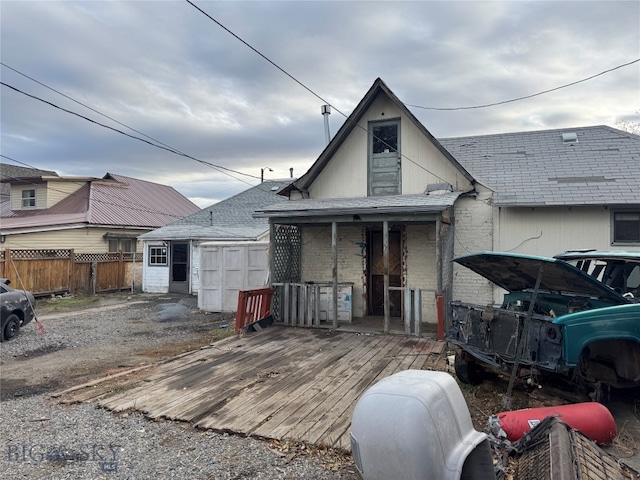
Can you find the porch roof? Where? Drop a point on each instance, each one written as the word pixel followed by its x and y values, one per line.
pixel 388 204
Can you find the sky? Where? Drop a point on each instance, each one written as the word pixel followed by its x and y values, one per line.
pixel 170 73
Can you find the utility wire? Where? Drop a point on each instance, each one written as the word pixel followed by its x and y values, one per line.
pixel 307 88
pixel 526 96
pixel 222 169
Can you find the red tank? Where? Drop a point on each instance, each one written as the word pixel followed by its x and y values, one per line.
pixel 593 419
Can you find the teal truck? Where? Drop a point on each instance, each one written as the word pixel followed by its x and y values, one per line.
pixel 558 317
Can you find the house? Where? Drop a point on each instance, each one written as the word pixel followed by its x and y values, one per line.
pixel 386 206
pixel 86 214
pixel 9 172
pixel 215 252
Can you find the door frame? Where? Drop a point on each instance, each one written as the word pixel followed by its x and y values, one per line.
pixel 180 286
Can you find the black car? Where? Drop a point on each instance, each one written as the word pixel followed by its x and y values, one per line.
pixel 16 309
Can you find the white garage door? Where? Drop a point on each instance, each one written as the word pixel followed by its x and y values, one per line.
pixel 227 269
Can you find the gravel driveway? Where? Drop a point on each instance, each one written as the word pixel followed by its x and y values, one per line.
pixel 42 439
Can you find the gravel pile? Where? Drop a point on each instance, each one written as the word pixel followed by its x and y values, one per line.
pixel 41 439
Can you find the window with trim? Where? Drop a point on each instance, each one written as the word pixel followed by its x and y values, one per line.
pixel 626 227
pixel 157 256
pixel 28 198
pixel 126 245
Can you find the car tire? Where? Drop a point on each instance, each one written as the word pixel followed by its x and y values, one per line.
pixel 11 327
pixel 468 371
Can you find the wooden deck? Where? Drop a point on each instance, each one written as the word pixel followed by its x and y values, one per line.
pixel 282 383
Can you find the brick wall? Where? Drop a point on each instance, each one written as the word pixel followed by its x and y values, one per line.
pixel 421 267
pixel 473 233
pixel 317 259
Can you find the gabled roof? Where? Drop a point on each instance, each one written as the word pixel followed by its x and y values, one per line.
pixel 228 220
pixel 114 200
pixel 378 88
pixel 541 169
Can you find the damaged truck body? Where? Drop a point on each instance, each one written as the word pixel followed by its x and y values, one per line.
pixel 554 319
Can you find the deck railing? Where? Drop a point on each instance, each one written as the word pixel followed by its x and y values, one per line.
pixel 298 305
pixel 253 305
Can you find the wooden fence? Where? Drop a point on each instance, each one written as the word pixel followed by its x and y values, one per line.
pixel 45 272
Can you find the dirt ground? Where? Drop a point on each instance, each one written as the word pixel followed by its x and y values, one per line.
pixel 40 365
pixel 143 340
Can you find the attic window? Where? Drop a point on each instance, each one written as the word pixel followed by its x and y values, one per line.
pixel 28 198
pixel 570 137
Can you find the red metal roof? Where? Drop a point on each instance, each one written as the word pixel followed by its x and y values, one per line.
pixel 114 200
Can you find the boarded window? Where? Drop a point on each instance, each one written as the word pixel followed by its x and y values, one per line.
pixel 626 227
pixel 157 256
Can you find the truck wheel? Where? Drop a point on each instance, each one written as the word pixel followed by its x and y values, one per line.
pixel 11 327
pixel 468 371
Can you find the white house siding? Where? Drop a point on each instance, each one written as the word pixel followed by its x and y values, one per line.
pixel 195 268
pixel 317 264
pixel 548 231
pixel 155 279
pixel 346 173
pixel 473 233
pixel 421 267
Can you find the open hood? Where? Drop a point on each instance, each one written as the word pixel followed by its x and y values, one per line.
pixel 516 272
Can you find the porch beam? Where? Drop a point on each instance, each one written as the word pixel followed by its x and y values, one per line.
pixel 385 255
pixel 272 249
pixel 363 219
pixel 334 250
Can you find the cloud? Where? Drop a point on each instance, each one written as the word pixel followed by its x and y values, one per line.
pixel 171 73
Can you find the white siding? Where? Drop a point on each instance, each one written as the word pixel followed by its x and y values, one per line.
pixel 155 278
pixel 58 190
pixel 548 231
pixel 41 196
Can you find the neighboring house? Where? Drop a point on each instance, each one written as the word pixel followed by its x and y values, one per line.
pixel 386 206
pixel 215 252
pixel 9 172
pixel 89 215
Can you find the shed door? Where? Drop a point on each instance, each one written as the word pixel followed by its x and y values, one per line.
pixel 384 158
pixel 225 270
pixel 179 270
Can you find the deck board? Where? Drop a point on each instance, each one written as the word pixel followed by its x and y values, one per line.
pixel 290 383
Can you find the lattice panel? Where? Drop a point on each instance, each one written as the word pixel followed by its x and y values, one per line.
pixel 97 257
pixel 287 250
pixel 286 254
pixel 38 254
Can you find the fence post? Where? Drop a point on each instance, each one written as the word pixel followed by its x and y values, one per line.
pixel 72 270
pixel 94 275
pixel 7 263
pixel 121 274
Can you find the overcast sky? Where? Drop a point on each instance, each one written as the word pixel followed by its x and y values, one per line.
pixel 168 71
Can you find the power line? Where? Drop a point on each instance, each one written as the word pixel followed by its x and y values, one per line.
pixel 222 169
pixel 307 88
pixel 409 105
pixel 526 96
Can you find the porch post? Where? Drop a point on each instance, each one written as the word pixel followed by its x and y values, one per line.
pixel 272 248
pixel 334 250
pixel 438 256
pixel 385 255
